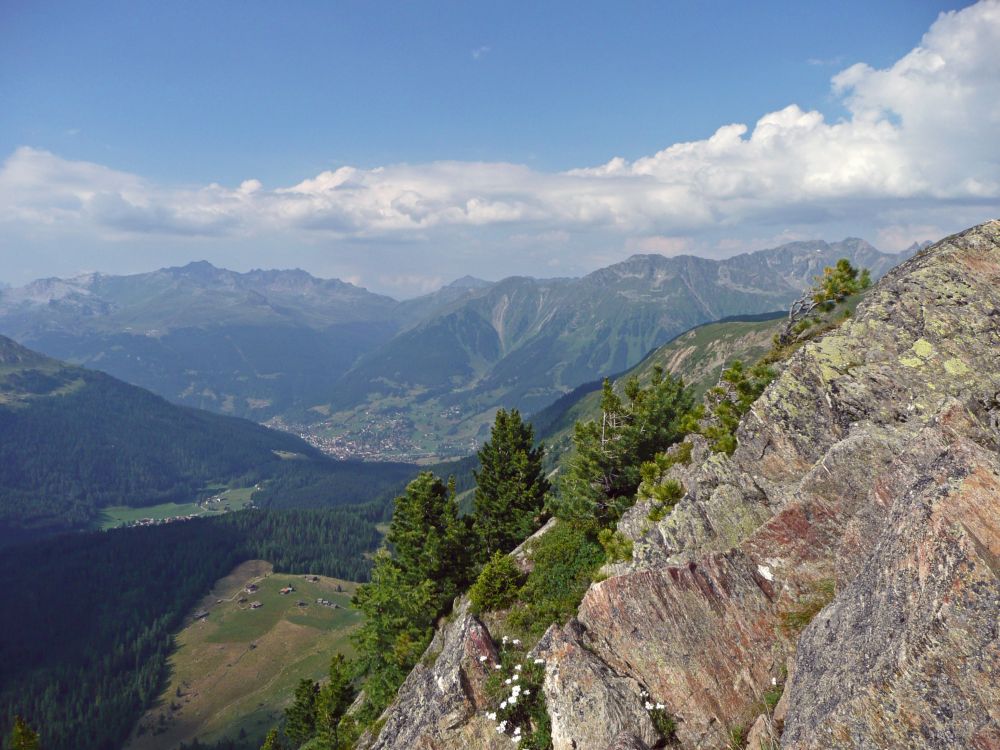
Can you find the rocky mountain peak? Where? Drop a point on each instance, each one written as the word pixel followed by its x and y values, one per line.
pixel 468 282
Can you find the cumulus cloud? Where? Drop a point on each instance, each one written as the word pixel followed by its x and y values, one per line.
pixel 921 134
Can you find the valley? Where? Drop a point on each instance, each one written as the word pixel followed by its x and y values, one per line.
pixel 222 501
pixel 363 376
pixel 235 667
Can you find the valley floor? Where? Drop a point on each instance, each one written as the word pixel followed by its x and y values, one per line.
pixel 236 666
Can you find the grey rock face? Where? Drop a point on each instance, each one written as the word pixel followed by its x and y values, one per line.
pixel 441 704
pixel 590 707
pixel 908 653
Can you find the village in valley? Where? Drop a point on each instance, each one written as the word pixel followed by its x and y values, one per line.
pixel 223 500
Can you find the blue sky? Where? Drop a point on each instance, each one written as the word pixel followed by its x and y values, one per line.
pixel 131 127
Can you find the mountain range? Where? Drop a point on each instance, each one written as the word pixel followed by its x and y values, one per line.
pixel 363 375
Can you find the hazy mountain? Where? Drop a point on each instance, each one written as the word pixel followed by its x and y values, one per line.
pixel 249 344
pixel 412 312
pixel 388 378
pixel 524 342
pixel 73 441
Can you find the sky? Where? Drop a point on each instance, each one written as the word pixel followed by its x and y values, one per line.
pixel 402 145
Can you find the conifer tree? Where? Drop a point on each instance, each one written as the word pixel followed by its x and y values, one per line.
pixel 604 472
pixel 429 540
pixel 272 741
pixel 334 699
pixel 300 717
pixel 23 737
pixel 430 563
pixel 510 485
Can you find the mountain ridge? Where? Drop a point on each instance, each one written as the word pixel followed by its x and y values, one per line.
pixel 524 342
pixel 327 358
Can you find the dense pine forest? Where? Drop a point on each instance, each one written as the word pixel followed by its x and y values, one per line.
pixel 88 618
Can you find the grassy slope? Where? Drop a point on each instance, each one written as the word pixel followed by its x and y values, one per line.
pixel 122 515
pixel 698 356
pixel 224 683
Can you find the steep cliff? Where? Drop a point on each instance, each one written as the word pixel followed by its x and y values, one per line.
pixel 846 557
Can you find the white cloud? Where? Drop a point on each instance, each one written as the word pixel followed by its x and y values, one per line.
pixel 479 52
pixel 921 136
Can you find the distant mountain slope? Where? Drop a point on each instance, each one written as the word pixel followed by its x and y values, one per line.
pixel 74 440
pixel 249 344
pixel 525 342
pixel 698 356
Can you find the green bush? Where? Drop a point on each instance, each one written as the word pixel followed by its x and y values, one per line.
pixel 617 546
pixel 565 560
pixel 497 585
pixel 518 700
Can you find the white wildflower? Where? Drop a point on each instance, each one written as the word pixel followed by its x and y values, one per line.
pixel 503 704
pixel 491 715
pixel 505 639
pixel 649 706
pixel 660 707
pixel 507 681
pixel 774 681
pixel 527 692
pixel 496 666
pixel 516 642
pixel 539 661
pixel 512 700
pixel 482 659
pixel 517 667
pixel 517 730
pixel 514 678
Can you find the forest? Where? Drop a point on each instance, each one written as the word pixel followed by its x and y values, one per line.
pixel 88 618
pixel 73 441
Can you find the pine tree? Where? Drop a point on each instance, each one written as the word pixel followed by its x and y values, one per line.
pixel 837 283
pixel 272 741
pixel 300 717
pixel 410 588
pixel 510 485
pixel 334 699
pixel 604 472
pixel 429 540
pixel 23 737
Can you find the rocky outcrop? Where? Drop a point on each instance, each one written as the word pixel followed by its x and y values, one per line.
pixel 867 474
pixel 589 705
pixel 441 705
pixel 908 653
pixel 848 551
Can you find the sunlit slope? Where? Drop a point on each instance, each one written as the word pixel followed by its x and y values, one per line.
pixel 236 667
